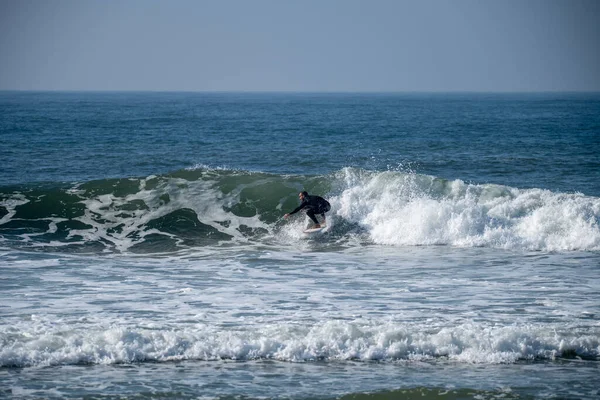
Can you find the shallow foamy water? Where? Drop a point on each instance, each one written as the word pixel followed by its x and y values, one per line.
pixel 247 317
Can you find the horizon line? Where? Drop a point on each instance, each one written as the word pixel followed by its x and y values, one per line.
pixel 303 91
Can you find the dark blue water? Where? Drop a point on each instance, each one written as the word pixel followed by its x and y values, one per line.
pixel 547 141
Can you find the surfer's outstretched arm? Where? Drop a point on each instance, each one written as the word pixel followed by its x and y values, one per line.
pixel 300 207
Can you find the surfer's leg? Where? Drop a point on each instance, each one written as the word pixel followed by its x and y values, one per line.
pixel 322 210
pixel 311 215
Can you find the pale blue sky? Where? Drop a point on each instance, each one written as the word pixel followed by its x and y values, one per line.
pixel 284 45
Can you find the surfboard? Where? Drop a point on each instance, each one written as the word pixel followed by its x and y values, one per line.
pixel 314 231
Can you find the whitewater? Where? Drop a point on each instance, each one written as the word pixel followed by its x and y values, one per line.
pixel 174 275
pixel 196 206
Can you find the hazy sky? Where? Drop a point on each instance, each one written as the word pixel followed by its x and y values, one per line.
pixel 285 45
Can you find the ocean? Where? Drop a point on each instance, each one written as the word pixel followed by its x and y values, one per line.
pixel 144 253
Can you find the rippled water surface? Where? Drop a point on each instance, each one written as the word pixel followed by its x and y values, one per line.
pixel 143 253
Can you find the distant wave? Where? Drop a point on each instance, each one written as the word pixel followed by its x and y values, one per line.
pixel 42 342
pixel 204 206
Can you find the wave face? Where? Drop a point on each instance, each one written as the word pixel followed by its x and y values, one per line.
pixel 217 207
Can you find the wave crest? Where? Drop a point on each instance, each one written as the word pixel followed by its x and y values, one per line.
pixel 214 207
pixel 410 209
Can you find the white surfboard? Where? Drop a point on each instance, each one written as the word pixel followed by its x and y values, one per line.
pixel 314 231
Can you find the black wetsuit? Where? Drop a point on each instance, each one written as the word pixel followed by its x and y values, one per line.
pixel 314 205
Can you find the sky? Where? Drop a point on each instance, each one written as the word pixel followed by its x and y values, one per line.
pixel 301 45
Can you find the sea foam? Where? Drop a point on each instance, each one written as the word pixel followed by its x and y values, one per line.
pixel 407 209
pixel 43 343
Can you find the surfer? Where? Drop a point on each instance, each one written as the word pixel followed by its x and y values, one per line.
pixel 314 205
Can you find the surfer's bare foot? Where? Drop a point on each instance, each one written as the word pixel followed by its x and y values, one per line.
pixel 317 226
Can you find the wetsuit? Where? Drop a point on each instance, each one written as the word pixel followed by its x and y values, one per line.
pixel 314 205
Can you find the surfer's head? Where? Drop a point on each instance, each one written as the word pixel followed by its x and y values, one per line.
pixel 302 195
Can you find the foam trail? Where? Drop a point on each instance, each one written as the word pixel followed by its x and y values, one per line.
pixel 10 204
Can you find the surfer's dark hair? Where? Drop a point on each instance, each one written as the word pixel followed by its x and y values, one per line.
pixel 305 193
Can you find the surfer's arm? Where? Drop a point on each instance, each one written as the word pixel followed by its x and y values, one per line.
pixel 300 207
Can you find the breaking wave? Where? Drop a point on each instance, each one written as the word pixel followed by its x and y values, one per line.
pixel 44 342
pixel 219 207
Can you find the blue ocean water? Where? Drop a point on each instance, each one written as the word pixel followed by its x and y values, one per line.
pixel 143 251
pixel 545 141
